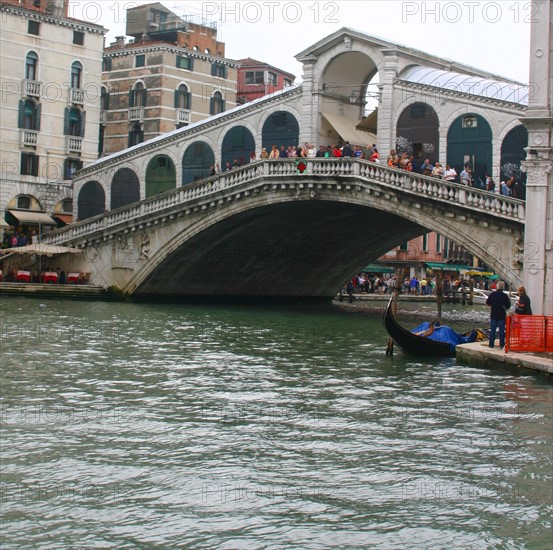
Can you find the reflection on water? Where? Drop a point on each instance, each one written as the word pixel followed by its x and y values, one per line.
pixel 144 425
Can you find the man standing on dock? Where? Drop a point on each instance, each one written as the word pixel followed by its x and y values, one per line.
pixel 499 303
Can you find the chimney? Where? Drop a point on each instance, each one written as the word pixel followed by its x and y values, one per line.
pixel 119 41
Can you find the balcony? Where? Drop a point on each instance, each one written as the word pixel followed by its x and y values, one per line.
pixel 74 144
pixel 31 88
pixel 76 96
pixel 29 137
pixel 182 116
pixel 136 113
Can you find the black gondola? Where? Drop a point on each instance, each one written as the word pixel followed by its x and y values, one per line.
pixel 411 343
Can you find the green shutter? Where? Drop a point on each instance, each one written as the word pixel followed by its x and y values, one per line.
pixel 188 101
pixel 222 105
pixel 83 123
pixel 34 165
pixel 213 69
pixel 190 63
pixel 177 94
pixel 129 141
pixel 144 97
pixel 37 118
pixel 21 117
pixel 131 98
pixel 211 106
pixel 225 71
pixel 66 122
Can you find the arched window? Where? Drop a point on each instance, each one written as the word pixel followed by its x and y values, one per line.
pixel 136 135
pixel 217 104
pixel 29 114
pixel 137 96
pixel 31 65
pixel 182 97
pixel 76 74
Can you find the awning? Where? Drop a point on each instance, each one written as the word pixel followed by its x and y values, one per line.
pixel 42 250
pixel 447 267
pixel 65 218
pixel 369 123
pixel 348 132
pixel 375 268
pixel 25 216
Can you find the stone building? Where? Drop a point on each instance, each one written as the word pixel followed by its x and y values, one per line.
pixel 51 69
pixel 172 73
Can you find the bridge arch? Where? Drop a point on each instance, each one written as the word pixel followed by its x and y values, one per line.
pixel 160 175
pixel 91 201
pixel 280 128
pixel 238 143
pixel 196 162
pixel 469 139
pixel 125 188
pixel 419 124
pixel 512 152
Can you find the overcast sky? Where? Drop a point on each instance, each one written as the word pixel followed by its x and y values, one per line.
pixel 493 36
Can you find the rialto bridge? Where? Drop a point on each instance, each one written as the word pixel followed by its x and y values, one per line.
pixel 283 228
pixel 153 222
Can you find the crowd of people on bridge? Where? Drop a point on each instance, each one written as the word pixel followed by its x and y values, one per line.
pixel 402 161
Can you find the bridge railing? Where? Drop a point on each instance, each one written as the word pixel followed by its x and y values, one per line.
pixel 358 170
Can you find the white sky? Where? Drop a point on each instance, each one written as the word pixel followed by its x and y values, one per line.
pixel 489 35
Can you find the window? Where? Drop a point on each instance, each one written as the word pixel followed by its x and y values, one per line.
pixel 218 70
pixel 287 83
pixel 104 100
pixel 404 246
pixel 31 64
pixel 106 64
pixel 425 242
pixel 417 111
pixel 76 72
pixel 272 79
pixel 33 27
pixel 469 122
pixel 24 202
pixel 137 97
pixel 254 77
pixel 29 115
pixel 182 97
pixel 74 122
pixel 78 38
pixel 217 104
pixel 29 164
pixel 67 205
pixel 136 135
pixel 438 243
pixel 185 63
pixel 70 167
pixel 140 60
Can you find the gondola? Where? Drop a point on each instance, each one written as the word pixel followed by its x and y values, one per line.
pixel 414 344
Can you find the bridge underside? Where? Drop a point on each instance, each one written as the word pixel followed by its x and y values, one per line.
pixel 295 249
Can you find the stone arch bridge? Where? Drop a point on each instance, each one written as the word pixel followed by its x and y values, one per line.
pixel 283 228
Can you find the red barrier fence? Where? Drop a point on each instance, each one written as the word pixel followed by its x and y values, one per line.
pixel 529 333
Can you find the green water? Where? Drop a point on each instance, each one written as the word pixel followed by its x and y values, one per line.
pixel 190 426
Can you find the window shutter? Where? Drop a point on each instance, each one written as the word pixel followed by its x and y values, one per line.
pixel 211 106
pixel 141 136
pixel 225 71
pixel 177 93
pixel 37 118
pixel 213 69
pixel 21 117
pixel 191 64
pixel 83 122
pixel 188 101
pixel 66 122
pixel 222 105
pixel 131 98
pixel 106 103
pixel 129 141
pixel 144 97
pixel 34 165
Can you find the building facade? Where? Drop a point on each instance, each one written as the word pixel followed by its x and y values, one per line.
pixel 51 68
pixel 171 74
pixel 256 79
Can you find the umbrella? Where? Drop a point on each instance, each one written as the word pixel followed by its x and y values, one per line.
pixel 41 250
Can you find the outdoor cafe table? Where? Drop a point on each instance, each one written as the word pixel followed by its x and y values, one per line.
pixel 73 278
pixel 23 276
pixel 50 277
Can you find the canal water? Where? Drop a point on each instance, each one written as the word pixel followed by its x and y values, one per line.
pixel 202 426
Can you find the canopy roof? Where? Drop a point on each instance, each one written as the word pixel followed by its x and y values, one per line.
pixel 41 250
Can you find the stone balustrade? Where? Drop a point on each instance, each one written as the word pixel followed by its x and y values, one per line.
pixel 288 172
